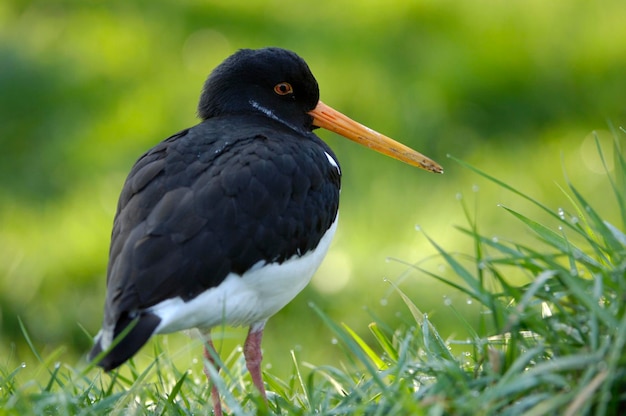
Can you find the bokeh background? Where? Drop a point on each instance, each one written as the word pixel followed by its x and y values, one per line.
pixel 517 88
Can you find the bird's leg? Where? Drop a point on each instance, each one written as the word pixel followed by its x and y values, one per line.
pixel 253 356
pixel 215 394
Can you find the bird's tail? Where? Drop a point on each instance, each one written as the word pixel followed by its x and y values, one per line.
pixel 129 335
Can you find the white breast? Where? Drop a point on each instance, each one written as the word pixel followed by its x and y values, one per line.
pixel 244 299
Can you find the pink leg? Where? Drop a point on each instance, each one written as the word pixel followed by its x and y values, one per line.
pixel 253 356
pixel 215 394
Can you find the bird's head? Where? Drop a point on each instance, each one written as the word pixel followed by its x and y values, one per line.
pixel 272 81
pixel 279 84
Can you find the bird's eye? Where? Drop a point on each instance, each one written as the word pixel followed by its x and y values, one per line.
pixel 283 88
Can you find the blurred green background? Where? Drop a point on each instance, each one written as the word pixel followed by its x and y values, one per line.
pixel 516 88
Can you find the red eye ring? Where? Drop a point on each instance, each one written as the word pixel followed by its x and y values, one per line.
pixel 283 88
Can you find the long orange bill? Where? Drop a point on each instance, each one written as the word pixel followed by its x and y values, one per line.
pixel 331 119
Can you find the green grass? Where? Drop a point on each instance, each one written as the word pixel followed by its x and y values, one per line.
pixel 550 339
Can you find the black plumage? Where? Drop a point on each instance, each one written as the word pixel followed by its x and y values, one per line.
pixel 212 200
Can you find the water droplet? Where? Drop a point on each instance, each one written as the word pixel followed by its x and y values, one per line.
pixel 546 288
pixel 447 301
pixel 459 196
pixel 194 361
pixel 475 188
pixel 561 213
pixel 560 228
pixel 384 302
pixel 575 220
pixel 334 341
pixel 417 227
pixel 494 239
pixel 469 301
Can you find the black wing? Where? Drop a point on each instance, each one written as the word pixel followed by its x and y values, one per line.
pixel 203 204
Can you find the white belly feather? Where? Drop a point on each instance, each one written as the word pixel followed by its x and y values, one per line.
pixel 247 299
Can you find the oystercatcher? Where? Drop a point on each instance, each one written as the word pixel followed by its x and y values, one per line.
pixel 226 222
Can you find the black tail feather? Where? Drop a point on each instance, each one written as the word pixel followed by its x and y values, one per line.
pixel 141 330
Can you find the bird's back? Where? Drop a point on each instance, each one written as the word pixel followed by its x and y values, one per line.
pixel 205 203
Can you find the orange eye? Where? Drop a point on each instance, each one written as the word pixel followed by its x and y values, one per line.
pixel 283 88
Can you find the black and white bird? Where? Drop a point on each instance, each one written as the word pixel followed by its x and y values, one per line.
pixel 224 223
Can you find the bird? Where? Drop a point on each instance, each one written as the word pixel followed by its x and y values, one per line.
pixel 225 222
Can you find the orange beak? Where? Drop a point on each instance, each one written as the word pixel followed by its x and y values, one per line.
pixel 331 119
